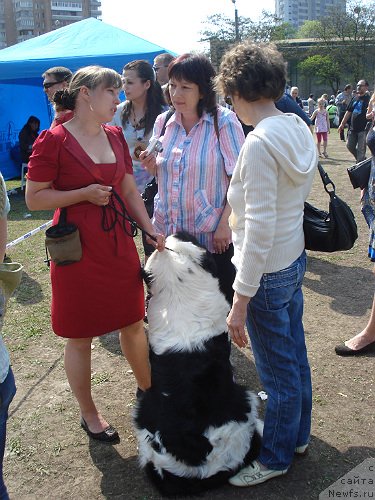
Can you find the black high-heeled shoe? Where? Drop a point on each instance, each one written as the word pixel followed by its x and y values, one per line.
pixel 109 435
pixel 343 350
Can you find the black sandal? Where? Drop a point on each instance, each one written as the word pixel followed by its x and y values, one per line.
pixel 109 434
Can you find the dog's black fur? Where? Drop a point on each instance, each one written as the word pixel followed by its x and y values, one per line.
pixel 193 391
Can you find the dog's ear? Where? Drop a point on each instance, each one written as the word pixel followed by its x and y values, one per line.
pixel 208 264
pixel 147 276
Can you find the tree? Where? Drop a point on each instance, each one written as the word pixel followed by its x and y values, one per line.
pixel 349 37
pixel 324 68
pixel 223 28
pixel 269 28
pixel 309 29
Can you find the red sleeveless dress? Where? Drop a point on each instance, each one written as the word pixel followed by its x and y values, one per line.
pixel 104 291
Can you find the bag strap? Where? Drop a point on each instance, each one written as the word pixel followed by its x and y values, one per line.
pixel 216 125
pixel 169 114
pixel 326 180
pixel 62 217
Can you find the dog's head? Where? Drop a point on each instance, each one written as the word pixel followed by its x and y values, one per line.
pixel 185 294
pixel 183 261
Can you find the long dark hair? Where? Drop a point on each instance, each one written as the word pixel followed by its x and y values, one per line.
pixel 196 68
pixel 27 126
pixel 154 99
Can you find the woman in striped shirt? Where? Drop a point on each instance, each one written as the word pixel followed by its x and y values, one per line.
pixel 201 144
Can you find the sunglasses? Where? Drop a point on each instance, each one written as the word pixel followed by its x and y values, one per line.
pixel 156 68
pixel 48 85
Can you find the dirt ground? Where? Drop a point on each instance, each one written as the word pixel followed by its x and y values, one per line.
pixel 49 456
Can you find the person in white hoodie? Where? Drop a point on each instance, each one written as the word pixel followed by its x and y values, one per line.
pixel 269 186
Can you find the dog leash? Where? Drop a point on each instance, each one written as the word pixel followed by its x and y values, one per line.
pixel 124 214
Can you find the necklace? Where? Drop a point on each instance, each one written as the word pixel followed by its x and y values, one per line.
pixel 138 123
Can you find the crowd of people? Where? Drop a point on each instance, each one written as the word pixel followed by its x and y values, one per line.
pixel 241 197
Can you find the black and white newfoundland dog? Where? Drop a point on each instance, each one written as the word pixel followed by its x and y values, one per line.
pixel 195 426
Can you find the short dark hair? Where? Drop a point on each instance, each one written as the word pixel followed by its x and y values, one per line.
pixel 348 86
pixel 61 73
pixel 311 95
pixel 165 58
pixel 196 68
pixel 251 71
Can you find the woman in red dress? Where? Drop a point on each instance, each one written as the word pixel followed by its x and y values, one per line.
pixel 85 166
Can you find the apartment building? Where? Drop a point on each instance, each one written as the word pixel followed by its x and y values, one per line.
pixel 298 11
pixel 24 19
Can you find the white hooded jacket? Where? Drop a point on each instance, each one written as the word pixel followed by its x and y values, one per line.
pixel 270 183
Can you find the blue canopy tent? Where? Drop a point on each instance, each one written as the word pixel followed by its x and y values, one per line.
pixel 79 44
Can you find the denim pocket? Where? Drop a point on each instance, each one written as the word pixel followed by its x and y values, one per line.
pixel 206 216
pixel 279 287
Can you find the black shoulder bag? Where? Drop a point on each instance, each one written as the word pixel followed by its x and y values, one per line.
pixel 333 230
pixel 151 188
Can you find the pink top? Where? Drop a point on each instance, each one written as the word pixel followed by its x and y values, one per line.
pixel 321 121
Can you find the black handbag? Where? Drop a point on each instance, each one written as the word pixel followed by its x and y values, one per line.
pixel 63 242
pixel 148 196
pixel 151 188
pixel 359 174
pixel 333 230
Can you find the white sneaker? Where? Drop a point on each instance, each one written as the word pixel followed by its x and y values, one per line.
pixel 253 474
pixel 301 450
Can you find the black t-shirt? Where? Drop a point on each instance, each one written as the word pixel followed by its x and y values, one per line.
pixel 358 107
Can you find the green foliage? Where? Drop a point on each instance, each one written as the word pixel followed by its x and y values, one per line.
pixel 349 38
pixel 324 68
pixel 309 29
pixel 223 28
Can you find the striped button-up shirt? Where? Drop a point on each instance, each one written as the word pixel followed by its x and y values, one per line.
pixel 193 173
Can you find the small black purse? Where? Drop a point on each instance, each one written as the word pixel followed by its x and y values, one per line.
pixel 333 230
pixel 148 196
pixel 359 174
pixel 63 242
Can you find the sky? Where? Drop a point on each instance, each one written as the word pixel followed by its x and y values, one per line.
pixel 175 24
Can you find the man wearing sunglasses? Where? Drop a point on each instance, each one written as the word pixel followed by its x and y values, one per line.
pixel 161 63
pixel 54 79
pixel 356 110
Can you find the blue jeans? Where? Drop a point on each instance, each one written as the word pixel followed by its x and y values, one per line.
pixel 7 392
pixel 274 323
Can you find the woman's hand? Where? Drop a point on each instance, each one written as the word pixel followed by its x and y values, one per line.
pixel 148 162
pixel 222 237
pixel 237 318
pixel 97 194
pixel 158 243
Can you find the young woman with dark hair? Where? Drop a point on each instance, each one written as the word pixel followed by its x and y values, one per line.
pixel 27 136
pixel 201 144
pixel 136 116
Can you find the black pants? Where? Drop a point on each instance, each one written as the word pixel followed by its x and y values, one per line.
pixel 226 272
